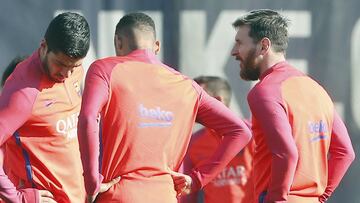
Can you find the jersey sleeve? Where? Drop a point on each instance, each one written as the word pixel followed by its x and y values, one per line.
pixel 341 156
pixel 273 121
pixel 15 109
pixel 186 168
pixel 96 93
pixel 215 115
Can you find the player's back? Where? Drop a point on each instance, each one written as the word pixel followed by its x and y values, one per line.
pixel 147 124
pixel 310 112
pixel 311 118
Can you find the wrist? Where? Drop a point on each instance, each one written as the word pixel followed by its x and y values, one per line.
pixel 195 182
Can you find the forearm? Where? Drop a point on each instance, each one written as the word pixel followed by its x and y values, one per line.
pixel 277 132
pixel 282 172
pixel 8 191
pixel 89 150
pixel 341 156
pixel 227 150
pixel 15 110
pixel 337 170
pixel 95 96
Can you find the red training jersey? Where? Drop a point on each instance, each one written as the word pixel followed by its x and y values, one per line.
pixel 300 139
pixel 147 114
pixel 38 122
pixel 233 184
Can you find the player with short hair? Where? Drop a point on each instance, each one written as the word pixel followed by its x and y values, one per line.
pixel 302 146
pixel 233 184
pixel 147 113
pixel 39 106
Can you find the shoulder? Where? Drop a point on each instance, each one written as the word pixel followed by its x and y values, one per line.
pixel 19 91
pixel 28 72
pixel 270 87
pixel 101 64
pixel 25 79
pixel 264 91
pixel 106 65
pixel 180 78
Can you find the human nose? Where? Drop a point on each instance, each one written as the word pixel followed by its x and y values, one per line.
pixel 66 73
pixel 234 51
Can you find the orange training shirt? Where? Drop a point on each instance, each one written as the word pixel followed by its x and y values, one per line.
pixel 299 138
pixel 38 119
pixel 147 114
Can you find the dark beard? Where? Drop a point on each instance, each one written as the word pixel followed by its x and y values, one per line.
pixel 250 72
pixel 45 66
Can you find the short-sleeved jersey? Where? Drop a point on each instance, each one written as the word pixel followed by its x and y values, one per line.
pixel 308 116
pixel 43 152
pixel 233 184
pixel 147 114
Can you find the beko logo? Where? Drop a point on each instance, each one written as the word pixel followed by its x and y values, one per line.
pixel 162 117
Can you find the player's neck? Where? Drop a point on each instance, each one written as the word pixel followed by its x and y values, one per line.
pixel 270 60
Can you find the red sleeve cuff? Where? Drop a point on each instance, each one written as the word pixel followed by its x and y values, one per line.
pixel 94 187
pixel 196 183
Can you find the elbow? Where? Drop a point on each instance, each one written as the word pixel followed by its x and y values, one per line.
pixel 291 152
pixel 246 132
pixel 243 136
pixel 346 153
pixel 291 155
pixel 86 119
pixel 351 155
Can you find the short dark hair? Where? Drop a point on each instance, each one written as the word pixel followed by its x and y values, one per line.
pixel 215 86
pixel 11 67
pixel 136 20
pixel 266 23
pixel 68 33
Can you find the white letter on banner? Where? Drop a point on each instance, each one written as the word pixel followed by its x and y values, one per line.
pixel 355 72
pixel 199 56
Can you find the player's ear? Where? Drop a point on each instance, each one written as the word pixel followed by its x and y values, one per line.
pixel 43 47
pixel 265 45
pixel 156 47
pixel 220 98
pixel 117 44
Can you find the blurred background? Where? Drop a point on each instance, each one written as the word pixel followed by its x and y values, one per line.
pixel 197 37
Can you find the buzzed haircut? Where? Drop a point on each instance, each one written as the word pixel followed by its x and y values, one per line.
pixel 130 22
pixel 68 33
pixel 215 86
pixel 266 23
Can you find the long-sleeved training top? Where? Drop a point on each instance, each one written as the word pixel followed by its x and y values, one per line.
pixel 302 146
pixel 147 114
pixel 38 123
